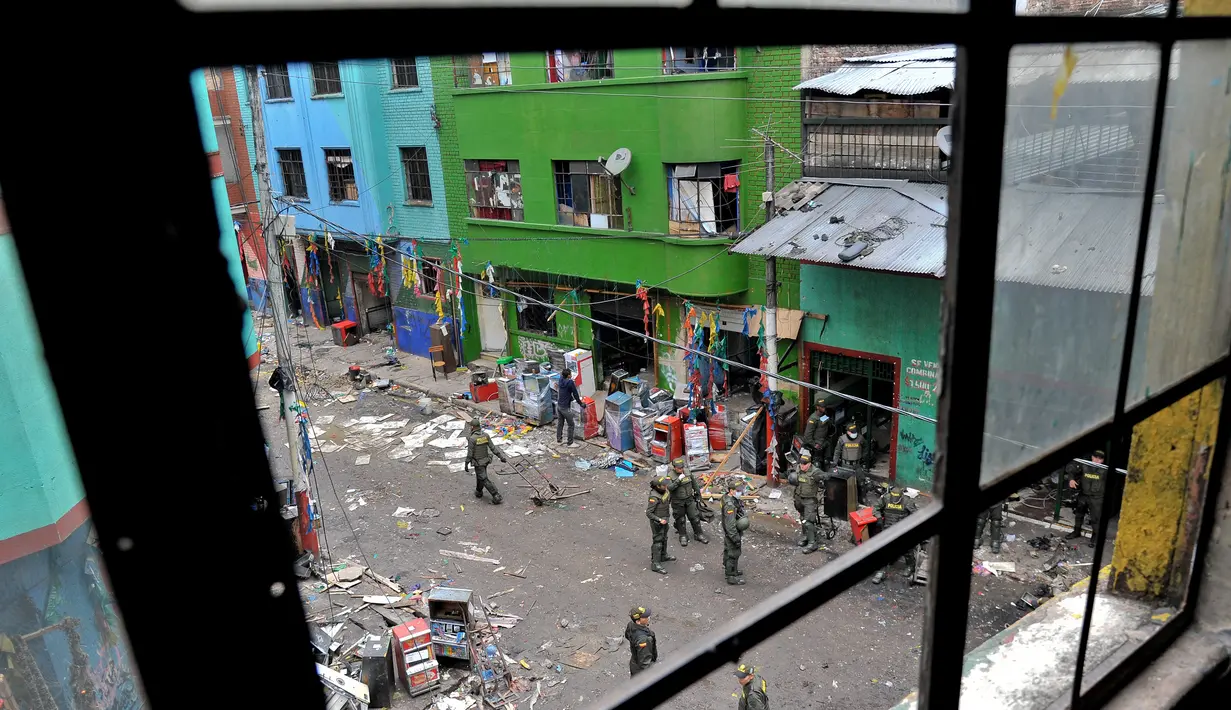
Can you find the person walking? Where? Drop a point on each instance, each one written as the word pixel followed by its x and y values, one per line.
pixel 479 450
pixel 753 691
pixel 566 394
pixel 642 644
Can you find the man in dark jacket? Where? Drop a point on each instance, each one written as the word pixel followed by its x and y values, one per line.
pixel 1091 482
pixel 566 394
pixel 819 434
pixel 642 643
pixel 752 689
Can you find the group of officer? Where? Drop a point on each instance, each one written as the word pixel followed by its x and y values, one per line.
pixel 679 495
pixel 852 450
pixel 643 650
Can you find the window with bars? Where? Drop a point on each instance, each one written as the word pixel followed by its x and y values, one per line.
pixel 340 172
pixel 483 69
pixel 294 182
pixel 326 79
pixel 587 195
pixel 430 277
pixel 703 199
pixel 414 170
pixel 277 82
pixel 405 73
pixel 494 189
pixel 565 65
pixel 696 60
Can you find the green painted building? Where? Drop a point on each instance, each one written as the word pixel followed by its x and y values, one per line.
pixel 522 136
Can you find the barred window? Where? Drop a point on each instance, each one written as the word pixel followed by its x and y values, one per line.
pixel 587 195
pixel 326 79
pixel 340 170
pixel 277 82
pixel 405 73
pixel 294 182
pixel 414 169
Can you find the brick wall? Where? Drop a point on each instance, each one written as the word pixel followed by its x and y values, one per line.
pixel 773 74
pixel 454 177
pixel 818 60
pixel 240 77
pixel 224 102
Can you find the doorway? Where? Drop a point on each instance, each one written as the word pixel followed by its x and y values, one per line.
pixel 374 312
pixel 493 335
pixel 615 349
pixel 870 379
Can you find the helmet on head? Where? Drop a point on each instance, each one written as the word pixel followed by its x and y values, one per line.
pixel 805 457
pixel 659 483
pixel 679 463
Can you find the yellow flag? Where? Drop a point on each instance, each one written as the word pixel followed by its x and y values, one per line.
pixel 1062 81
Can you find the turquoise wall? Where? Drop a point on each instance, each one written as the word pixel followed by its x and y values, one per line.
pixel 892 315
pixel 407 118
pixel 38 474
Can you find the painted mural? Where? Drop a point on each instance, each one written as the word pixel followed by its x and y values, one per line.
pixel 62 644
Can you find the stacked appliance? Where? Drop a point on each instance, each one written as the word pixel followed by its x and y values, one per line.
pixel 618 421
pixel 697 446
pixel 581 364
pixel 416 665
pixel 668 443
pixel 504 392
pixel 643 429
pixel 537 403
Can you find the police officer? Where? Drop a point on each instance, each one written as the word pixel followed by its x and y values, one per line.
pixel 807 497
pixel 853 450
pixel 641 641
pixel 752 689
pixel 479 450
pixel 819 433
pixel 996 515
pixel 892 507
pixel 657 511
pixel 686 502
pixel 1090 482
pixel 734 523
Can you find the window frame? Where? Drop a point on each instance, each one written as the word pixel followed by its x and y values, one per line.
pixel 435 262
pixel 303 173
pixel 412 65
pixel 463 78
pixel 283 81
pixel 675 207
pixel 670 60
pixel 543 295
pixel 472 168
pixel 597 177
pixel 336 166
pixel 558 75
pixel 127 510
pixel 422 201
pixel 326 82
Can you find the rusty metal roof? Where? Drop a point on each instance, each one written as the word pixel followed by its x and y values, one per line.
pixel 1046 237
pixel 916 71
pixel 1074 240
pixel 903 222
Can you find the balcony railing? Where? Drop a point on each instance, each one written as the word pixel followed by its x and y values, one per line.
pixel 874 148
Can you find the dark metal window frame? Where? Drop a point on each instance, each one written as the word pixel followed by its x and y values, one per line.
pixel 675 205
pixel 590 72
pixel 132 518
pixel 417 174
pixel 294 179
pixel 676 63
pixel 569 176
pixel 326 79
pixel 548 324
pixel 430 281
pixel 473 168
pixel 463 78
pixel 339 172
pixel 277 82
pixel 404 73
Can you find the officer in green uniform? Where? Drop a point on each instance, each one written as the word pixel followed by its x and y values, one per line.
pixel 807 497
pixel 479 450
pixel 752 689
pixel 686 502
pixel 657 511
pixel 734 523
pixel 996 515
pixel 892 508
pixel 1091 482
pixel 853 450
pixel 641 641
pixel 819 433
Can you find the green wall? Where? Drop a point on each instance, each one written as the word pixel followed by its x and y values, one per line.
pixel 885 314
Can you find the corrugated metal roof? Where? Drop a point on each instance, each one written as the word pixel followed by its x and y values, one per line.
pixel 1081 241
pixel 907 236
pixel 920 71
pixel 1050 238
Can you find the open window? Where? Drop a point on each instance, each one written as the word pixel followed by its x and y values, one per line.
pixel 494 187
pixel 703 199
pixel 579 65
pixel 483 69
pixel 694 60
pixel 532 317
pixel 587 195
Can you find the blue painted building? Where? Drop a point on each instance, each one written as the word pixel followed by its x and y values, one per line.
pixel 355 142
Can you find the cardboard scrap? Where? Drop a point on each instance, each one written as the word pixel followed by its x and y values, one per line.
pixel 383 580
pixel 380 599
pixel 466 556
pixel 348 574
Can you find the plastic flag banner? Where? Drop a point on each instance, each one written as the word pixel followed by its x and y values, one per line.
pixel 414 264
pixel 644 294
pixel 490 272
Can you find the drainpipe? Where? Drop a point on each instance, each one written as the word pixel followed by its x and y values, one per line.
pixel 227 243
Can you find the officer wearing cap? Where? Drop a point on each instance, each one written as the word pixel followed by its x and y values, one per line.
pixel 892 508
pixel 752 689
pixel 819 433
pixel 479 450
pixel 641 641
pixel 657 511
pixel 734 523
pixel 686 502
pixel 807 497
pixel 1091 482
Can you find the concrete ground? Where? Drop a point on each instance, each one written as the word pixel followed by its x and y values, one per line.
pixel 587 558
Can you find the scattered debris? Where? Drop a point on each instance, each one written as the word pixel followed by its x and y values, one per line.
pixel 402 512
pixel 347 574
pixel 380 599
pixel 363 460
pixel 580 659
pixel 466 556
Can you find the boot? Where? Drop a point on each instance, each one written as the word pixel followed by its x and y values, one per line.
pixel 1076 528
pixel 668 557
pixel 996 546
pixel 683 539
pixel 811 540
pixel 497 499
pixel 803 540
pixel 979 532
pixel 878 577
pixel 699 536
pixel 734 580
pixel 978 542
pixel 656 564
pixel 478 493
pixel 997 537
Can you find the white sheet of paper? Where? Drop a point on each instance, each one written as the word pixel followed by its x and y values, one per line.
pixel 363 460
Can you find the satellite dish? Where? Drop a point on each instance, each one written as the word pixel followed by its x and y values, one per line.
pixel 619 160
pixel 944 140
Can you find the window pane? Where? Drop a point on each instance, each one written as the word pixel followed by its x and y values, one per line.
pixel 62 641
pixel 1070 208
pixel 892 5
pixel 1185 317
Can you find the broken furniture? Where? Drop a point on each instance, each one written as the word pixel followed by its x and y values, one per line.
pixel 668 443
pixel 448 612
pixel 414 659
pixel 345 333
pixel 442 348
pixel 376 670
pixel 482 388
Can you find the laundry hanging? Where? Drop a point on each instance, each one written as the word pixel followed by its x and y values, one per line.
pixel 730 183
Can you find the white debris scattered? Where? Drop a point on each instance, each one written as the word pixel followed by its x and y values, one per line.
pixel 437 463
pixel 457 466
pixel 459 454
pixel 402 512
pixel 453 425
pixel 912 493
pixel 325 420
pixel 449 443
pixel 363 459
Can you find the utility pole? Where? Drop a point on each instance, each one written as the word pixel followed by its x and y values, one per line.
pixel 771 317
pixel 305 535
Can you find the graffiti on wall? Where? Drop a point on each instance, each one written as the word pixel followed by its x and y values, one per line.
pixel 921 386
pixel 534 349
pixel 61 639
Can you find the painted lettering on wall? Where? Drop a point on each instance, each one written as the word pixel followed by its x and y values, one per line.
pixel 533 349
pixel 921 386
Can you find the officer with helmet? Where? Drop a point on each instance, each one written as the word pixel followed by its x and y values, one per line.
pixel 479 450
pixel 686 502
pixel 658 509
pixel 807 499
pixel 734 523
